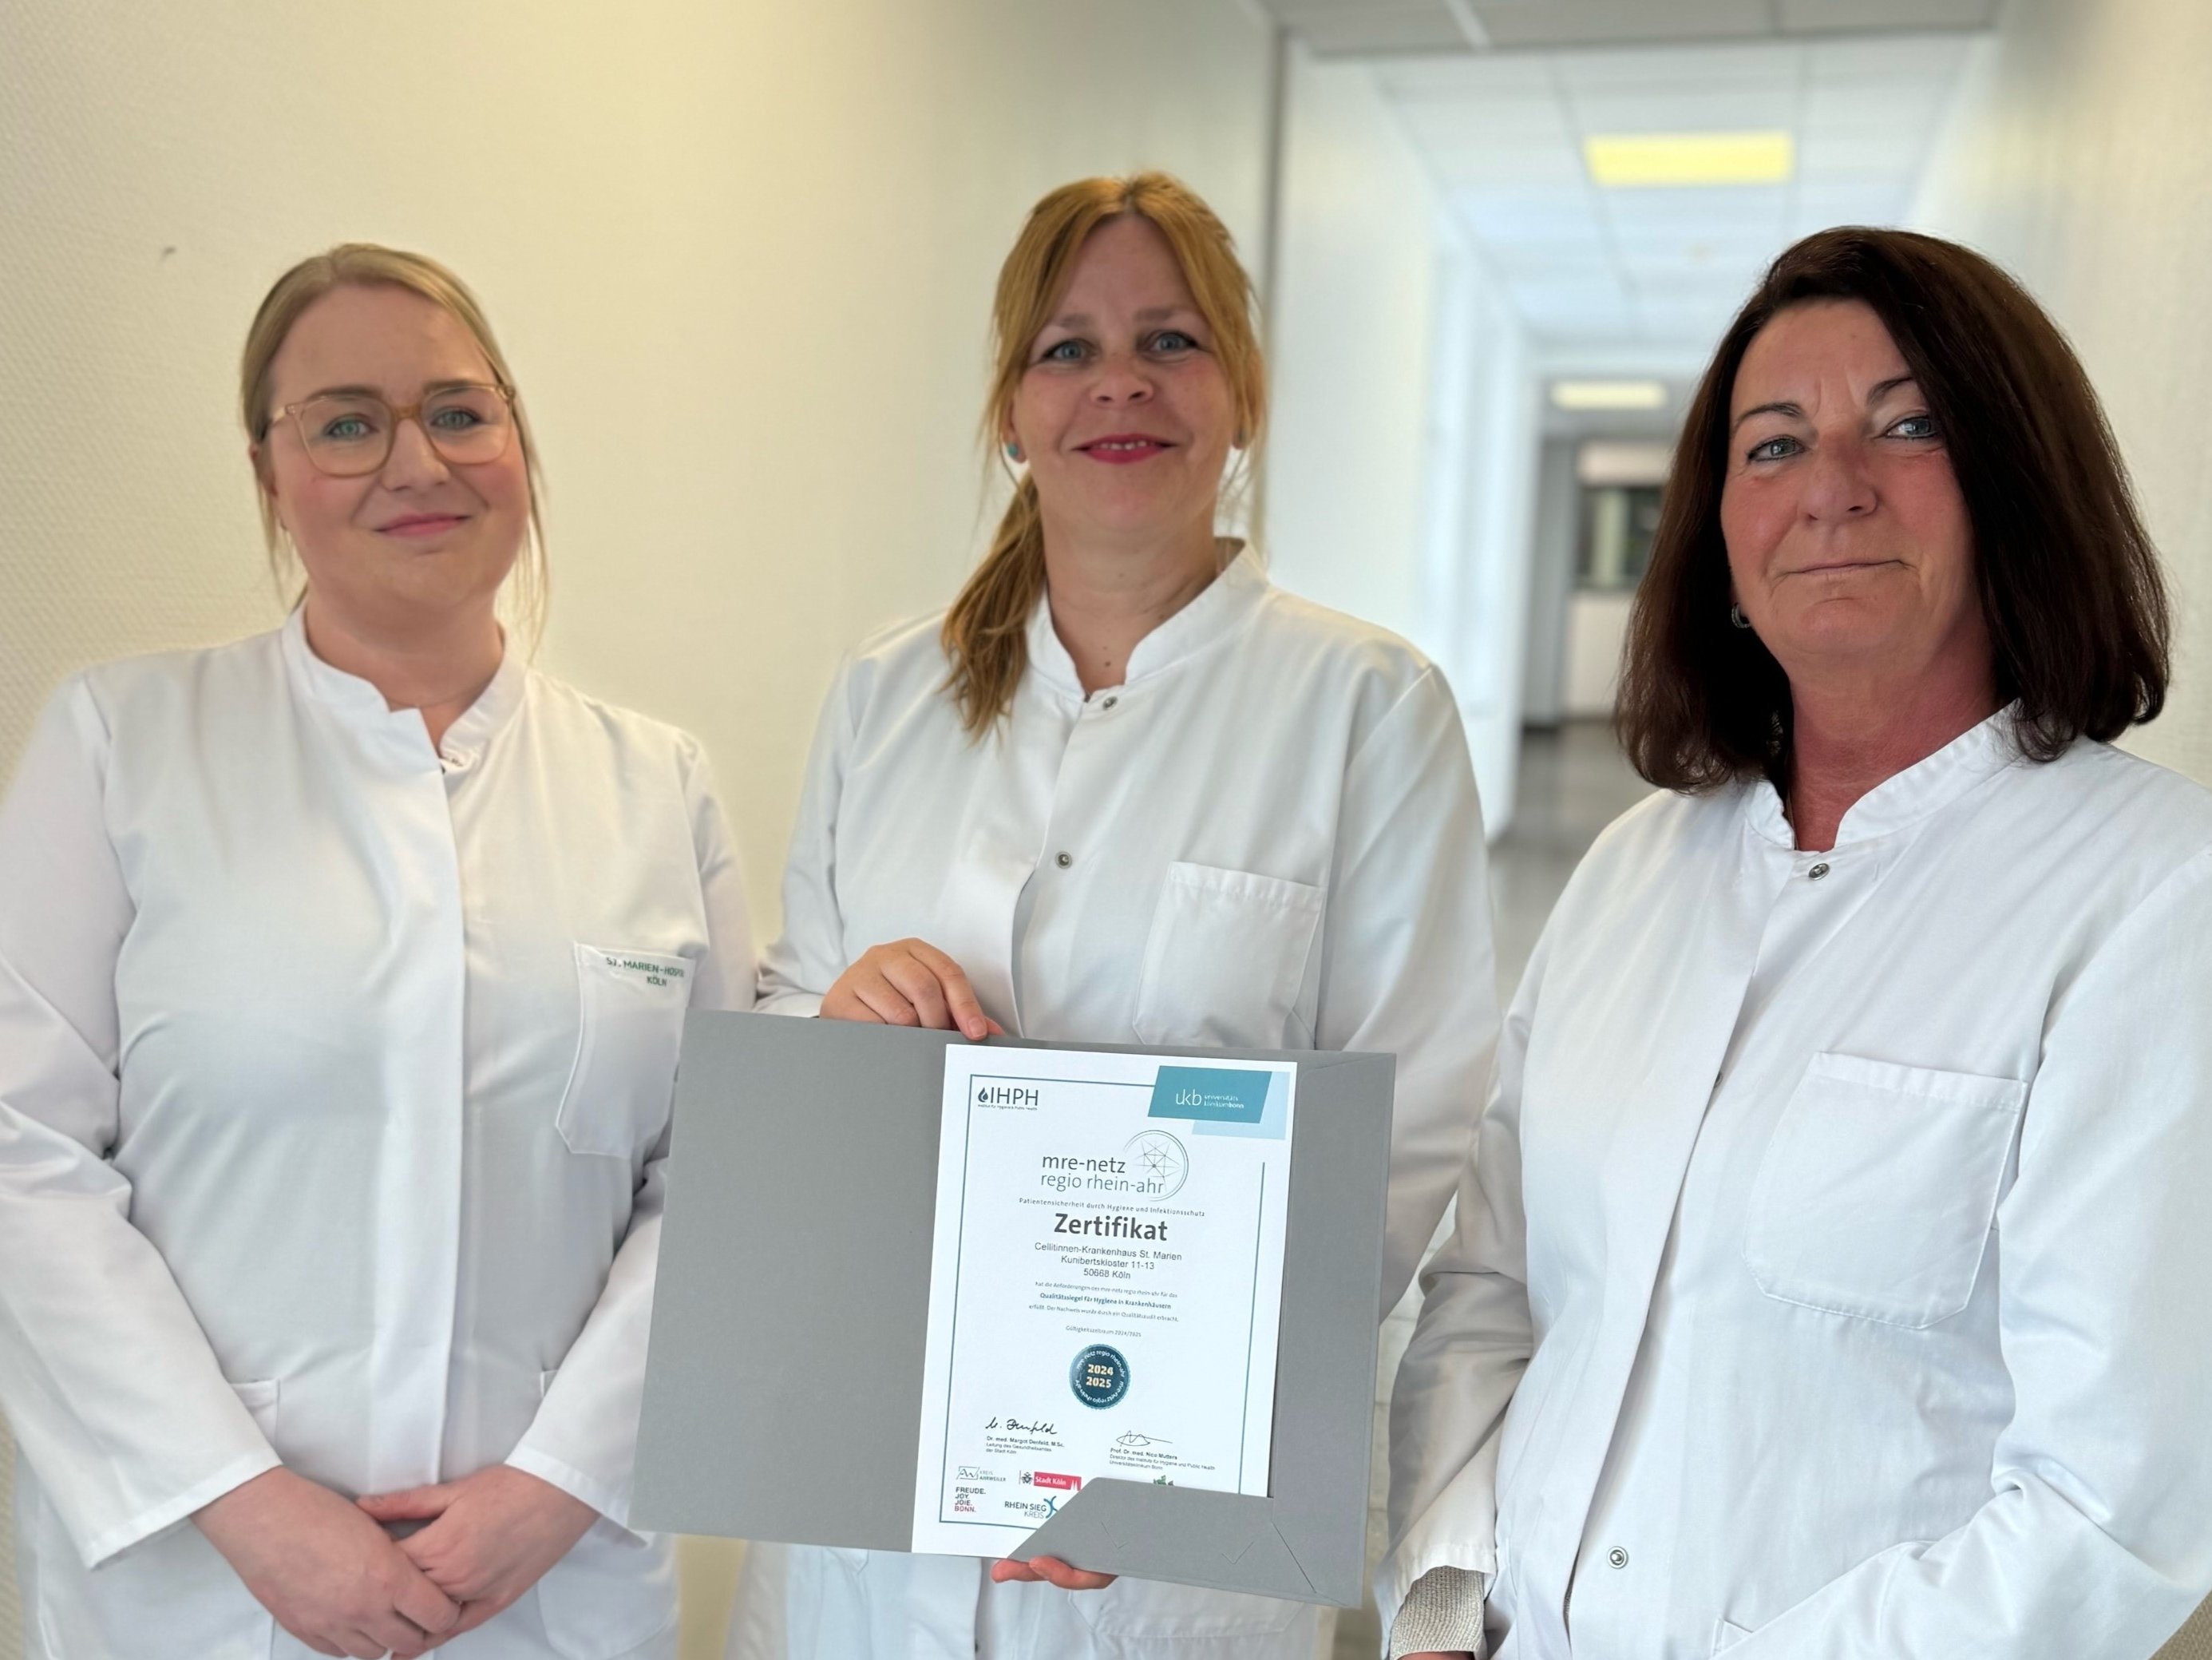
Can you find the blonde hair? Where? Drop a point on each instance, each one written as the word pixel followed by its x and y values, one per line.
pixel 985 635
pixel 366 264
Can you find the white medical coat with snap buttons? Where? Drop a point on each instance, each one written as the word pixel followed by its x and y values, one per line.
pixel 334 1076
pixel 1266 837
pixel 1830 1281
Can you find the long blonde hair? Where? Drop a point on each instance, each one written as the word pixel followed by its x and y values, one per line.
pixel 985 634
pixel 366 264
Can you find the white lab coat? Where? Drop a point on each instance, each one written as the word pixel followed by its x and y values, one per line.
pixel 1269 836
pixel 334 1095
pixel 1851 1215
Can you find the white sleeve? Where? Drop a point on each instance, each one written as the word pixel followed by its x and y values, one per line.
pixel 1407 967
pixel 1469 1347
pixel 2097 1535
pixel 799 969
pixel 114 1395
pixel 583 1438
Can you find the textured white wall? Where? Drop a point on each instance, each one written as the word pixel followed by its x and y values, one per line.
pixel 739 253
pixel 2078 157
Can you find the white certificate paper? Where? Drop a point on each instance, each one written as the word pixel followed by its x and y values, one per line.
pixel 1106 1285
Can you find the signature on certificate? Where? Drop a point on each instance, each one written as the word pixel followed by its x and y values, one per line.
pixel 1015 1426
pixel 1132 1439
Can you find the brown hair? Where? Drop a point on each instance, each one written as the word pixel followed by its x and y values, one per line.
pixel 2068 578
pixel 985 634
pixel 366 264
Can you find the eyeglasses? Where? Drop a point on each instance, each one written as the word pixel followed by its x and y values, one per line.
pixel 347 434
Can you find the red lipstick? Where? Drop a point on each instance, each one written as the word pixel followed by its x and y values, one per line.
pixel 1122 448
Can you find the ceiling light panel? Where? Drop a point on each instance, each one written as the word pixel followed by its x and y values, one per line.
pixel 1661 159
pixel 1608 395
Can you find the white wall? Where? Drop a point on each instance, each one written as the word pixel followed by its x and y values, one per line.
pixel 1402 462
pixel 739 253
pixel 2078 157
pixel 1480 587
pixel 1350 331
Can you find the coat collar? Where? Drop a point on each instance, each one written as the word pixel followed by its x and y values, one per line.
pixel 359 704
pixel 1219 609
pixel 1904 799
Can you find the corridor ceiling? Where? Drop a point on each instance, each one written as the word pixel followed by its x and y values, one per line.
pixel 1614 279
pixel 1662 268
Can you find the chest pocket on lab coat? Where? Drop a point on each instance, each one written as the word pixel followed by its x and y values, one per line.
pixel 1224 958
pixel 631 1009
pixel 1877 1194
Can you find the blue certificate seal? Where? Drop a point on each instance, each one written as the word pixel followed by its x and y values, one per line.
pixel 1099 1377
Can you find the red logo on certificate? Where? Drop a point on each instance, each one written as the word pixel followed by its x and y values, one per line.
pixel 1064 1483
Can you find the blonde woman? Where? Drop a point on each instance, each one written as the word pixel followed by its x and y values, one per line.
pixel 1127 790
pixel 342 970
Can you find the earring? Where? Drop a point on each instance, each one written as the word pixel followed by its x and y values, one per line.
pixel 1736 616
pixel 1013 450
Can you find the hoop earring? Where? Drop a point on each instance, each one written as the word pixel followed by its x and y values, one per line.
pixel 1736 616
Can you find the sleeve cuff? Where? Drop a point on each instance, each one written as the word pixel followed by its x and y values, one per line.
pixel 1442 1613
pixel 144 1525
pixel 610 1501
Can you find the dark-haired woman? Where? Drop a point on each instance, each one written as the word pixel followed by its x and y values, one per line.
pixel 1830 1279
pixel 1128 791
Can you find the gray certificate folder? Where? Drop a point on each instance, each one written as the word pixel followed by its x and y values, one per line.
pixel 783 1384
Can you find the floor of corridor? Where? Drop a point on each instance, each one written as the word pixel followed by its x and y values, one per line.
pixel 1574 781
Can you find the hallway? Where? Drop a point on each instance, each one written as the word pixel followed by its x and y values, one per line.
pixel 1572 781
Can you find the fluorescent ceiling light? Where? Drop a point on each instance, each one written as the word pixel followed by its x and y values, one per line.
pixel 1624 159
pixel 1608 395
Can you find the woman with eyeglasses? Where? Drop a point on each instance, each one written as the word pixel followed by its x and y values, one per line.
pixel 342 973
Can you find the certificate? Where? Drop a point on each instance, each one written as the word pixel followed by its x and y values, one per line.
pixel 1106 1286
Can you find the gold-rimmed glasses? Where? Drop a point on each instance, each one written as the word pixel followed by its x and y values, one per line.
pixel 348 434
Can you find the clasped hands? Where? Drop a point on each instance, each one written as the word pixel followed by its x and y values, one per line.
pixel 338 1581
